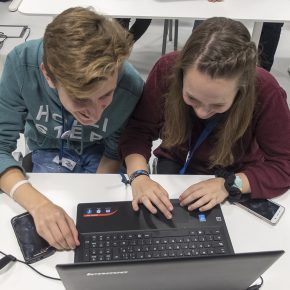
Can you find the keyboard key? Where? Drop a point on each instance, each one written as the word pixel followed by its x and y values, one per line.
pixel 86 256
pixel 140 255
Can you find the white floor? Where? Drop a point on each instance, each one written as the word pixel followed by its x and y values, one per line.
pixel 148 49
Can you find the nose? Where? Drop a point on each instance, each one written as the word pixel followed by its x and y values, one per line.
pixel 95 112
pixel 96 108
pixel 202 112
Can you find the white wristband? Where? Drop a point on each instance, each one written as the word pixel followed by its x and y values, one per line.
pixel 16 186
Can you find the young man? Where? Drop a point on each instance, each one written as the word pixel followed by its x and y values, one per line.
pixel 71 93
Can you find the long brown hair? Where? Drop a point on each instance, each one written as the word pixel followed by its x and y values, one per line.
pixel 219 48
pixel 82 48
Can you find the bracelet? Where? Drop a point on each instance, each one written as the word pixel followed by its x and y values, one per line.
pixel 16 186
pixel 136 174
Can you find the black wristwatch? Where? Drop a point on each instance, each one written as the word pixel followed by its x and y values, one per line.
pixel 232 184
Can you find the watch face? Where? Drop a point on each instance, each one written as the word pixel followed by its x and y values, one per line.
pixel 238 182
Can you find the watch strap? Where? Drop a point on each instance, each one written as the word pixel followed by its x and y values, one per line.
pixel 231 187
pixel 136 174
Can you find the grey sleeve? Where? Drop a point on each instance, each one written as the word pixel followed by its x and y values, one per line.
pixel 112 144
pixel 13 111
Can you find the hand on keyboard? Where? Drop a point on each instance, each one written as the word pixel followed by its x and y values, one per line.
pixel 152 195
pixel 55 226
pixel 204 195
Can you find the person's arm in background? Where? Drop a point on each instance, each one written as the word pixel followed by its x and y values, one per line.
pixel 143 128
pixel 51 221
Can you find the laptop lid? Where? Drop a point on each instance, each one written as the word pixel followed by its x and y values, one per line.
pixel 232 272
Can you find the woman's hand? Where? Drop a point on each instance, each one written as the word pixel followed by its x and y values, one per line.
pixel 55 226
pixel 204 195
pixel 152 195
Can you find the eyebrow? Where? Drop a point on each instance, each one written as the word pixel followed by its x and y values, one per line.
pixel 216 104
pixel 108 93
pixel 87 99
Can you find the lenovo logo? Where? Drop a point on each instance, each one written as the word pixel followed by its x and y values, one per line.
pixel 106 273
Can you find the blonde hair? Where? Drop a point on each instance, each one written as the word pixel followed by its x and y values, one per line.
pixel 82 48
pixel 219 48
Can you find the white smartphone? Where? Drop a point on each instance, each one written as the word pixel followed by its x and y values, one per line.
pixel 265 209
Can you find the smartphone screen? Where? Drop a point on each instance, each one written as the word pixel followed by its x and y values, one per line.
pixel 33 247
pixel 266 209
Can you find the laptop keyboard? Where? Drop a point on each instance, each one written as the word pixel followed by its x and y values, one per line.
pixel 152 245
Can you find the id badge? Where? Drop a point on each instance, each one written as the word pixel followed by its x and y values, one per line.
pixel 67 163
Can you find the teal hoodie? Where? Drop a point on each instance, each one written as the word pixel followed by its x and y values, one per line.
pixel 28 103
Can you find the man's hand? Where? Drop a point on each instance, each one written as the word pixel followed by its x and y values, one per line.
pixel 55 226
pixel 152 195
pixel 204 195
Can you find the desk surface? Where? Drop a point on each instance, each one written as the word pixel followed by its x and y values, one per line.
pixel 248 233
pixel 259 10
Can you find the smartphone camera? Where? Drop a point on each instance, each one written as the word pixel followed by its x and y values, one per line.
pixel 33 247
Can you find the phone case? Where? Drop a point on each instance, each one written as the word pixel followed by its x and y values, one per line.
pixel 33 247
pixel 263 209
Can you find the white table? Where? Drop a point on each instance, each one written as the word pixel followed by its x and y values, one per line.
pixel 248 233
pixel 254 10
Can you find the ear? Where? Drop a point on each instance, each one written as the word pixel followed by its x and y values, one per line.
pixel 48 79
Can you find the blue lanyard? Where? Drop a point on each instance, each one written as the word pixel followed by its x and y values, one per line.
pixel 61 139
pixel 64 136
pixel 204 134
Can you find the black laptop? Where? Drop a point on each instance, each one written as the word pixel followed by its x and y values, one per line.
pixel 137 250
pixel 112 231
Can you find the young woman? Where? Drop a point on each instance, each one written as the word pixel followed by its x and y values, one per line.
pixel 216 113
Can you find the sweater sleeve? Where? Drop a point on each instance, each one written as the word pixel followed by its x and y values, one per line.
pixel 111 145
pixel 12 110
pixel 271 177
pixel 147 119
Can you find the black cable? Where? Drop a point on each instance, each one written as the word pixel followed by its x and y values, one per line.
pixel 12 258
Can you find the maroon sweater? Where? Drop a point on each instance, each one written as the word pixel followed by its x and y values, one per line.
pixel 263 153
